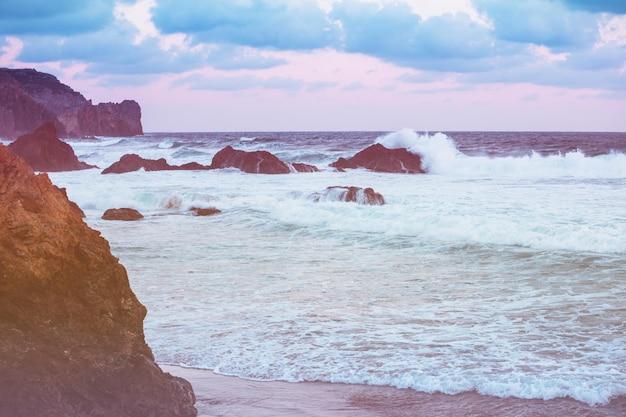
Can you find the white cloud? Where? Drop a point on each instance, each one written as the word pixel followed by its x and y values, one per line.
pixel 426 8
pixel 612 30
pixel 10 51
pixel 140 16
pixel 546 54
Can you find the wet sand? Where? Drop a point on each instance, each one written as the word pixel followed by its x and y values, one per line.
pixel 218 395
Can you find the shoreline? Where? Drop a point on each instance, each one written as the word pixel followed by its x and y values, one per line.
pixel 218 395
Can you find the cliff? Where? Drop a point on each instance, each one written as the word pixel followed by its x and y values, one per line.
pixel 71 329
pixel 29 98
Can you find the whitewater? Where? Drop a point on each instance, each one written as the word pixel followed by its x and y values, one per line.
pixel 501 271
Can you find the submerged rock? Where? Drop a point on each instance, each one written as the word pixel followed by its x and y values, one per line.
pixel 358 195
pixel 127 214
pixel 198 211
pixel 380 159
pixel 257 162
pixel 71 328
pixel 44 151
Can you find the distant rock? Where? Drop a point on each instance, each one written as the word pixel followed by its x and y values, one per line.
pixel 29 98
pixel 133 162
pixel 257 162
pixel 380 159
pixel 300 167
pixel 198 211
pixel 44 151
pixel 71 328
pixel 366 196
pixel 127 214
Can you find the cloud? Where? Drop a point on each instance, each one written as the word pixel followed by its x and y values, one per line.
pixel 63 17
pixel 235 83
pixel 394 33
pixel 541 22
pixel 606 6
pixel 285 25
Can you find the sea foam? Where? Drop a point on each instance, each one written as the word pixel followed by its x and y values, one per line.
pixel 441 156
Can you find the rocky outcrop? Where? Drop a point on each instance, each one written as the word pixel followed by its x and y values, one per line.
pixel 256 162
pixel 380 159
pixel 71 329
pixel 126 214
pixel 133 162
pixel 44 151
pixel 29 98
pixel 366 196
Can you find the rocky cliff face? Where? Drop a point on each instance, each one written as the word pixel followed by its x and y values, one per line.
pixel 29 98
pixel 71 329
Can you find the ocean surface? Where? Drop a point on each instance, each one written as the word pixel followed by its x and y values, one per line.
pixel 501 271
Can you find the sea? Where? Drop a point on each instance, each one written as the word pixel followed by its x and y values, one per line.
pixel 501 271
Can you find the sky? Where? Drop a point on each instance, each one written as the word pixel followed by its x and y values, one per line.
pixel 320 65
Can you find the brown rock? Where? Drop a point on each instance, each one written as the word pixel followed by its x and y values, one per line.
pixel 380 159
pixel 257 162
pixel 198 211
pixel 366 196
pixel 133 162
pixel 127 214
pixel 71 329
pixel 29 98
pixel 304 167
pixel 44 151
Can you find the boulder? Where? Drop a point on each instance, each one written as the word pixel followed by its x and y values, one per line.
pixel 256 162
pixel 366 196
pixel 127 214
pixel 29 98
pixel 133 162
pixel 44 151
pixel 71 328
pixel 380 159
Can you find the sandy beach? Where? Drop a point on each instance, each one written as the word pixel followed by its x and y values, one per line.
pixel 218 395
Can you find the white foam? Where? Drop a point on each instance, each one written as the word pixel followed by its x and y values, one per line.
pixel 507 284
pixel 440 156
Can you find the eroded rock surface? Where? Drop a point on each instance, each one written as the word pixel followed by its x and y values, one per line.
pixel 44 151
pixel 256 162
pixel 29 98
pixel 380 159
pixel 71 328
pixel 133 162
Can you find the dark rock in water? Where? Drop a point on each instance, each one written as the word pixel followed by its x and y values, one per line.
pixel 198 211
pixel 300 167
pixel 127 214
pixel 358 195
pixel 71 328
pixel 44 151
pixel 380 159
pixel 257 162
pixel 133 162
pixel 29 98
